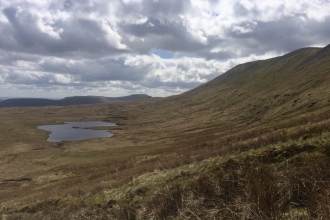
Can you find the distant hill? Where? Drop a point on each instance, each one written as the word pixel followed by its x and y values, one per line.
pixel 130 98
pixel 75 100
pixel 25 102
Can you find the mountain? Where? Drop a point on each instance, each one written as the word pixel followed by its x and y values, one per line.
pixel 247 145
pixel 75 100
pixel 264 89
pixel 251 144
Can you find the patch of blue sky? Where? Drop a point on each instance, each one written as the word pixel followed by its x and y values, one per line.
pixel 163 54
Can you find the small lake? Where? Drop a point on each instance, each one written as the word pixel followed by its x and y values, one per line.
pixel 72 131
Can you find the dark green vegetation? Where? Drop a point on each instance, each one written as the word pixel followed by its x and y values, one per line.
pixel 251 144
pixel 75 100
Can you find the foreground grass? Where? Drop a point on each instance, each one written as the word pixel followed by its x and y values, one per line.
pixel 281 181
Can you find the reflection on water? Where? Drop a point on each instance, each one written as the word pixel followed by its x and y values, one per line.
pixel 70 131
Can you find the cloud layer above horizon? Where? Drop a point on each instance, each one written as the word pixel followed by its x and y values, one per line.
pixel 56 48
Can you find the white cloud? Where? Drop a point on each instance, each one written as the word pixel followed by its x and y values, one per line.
pixel 46 25
pixel 97 46
pixel 247 4
pixel 131 1
pixel 113 38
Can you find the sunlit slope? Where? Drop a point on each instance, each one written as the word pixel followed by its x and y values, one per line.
pixel 247 96
pixel 282 85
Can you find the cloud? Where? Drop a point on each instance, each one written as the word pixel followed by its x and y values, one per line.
pixel 153 46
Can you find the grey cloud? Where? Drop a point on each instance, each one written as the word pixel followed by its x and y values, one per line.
pixel 87 46
pixel 167 35
pixel 105 70
pixel 23 29
pixel 158 8
pixel 283 35
pixel 68 4
pixel 83 36
pixel 97 70
pixel 171 85
pixel 152 26
pixel 18 77
pixel 164 28
pixel 9 58
pixel 78 6
pixel 240 10
pixel 167 7
pixel 79 37
pixel 227 52
pixel 286 34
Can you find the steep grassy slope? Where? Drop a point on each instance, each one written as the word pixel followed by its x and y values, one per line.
pixel 251 144
pixel 251 94
pixel 279 86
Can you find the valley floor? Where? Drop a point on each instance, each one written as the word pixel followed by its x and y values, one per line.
pixel 165 164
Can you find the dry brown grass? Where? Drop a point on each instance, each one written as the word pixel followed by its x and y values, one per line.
pixel 269 184
pixel 246 187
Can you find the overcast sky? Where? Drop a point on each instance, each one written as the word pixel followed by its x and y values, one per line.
pixel 58 48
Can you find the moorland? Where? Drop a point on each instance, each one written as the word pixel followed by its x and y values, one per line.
pixel 251 144
pixel 73 100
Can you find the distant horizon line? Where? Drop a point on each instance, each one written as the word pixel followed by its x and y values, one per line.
pixel 35 97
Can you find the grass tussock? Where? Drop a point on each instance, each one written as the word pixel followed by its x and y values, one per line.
pixel 240 190
pixel 248 187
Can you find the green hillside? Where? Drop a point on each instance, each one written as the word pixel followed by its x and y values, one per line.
pixel 279 85
pixel 251 144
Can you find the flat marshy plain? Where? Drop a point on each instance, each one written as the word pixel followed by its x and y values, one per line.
pixel 164 162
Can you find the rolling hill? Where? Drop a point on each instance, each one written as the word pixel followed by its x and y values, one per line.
pixel 251 144
pixel 280 85
pixel 75 100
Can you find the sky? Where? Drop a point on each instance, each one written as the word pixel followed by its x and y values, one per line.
pixel 59 48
